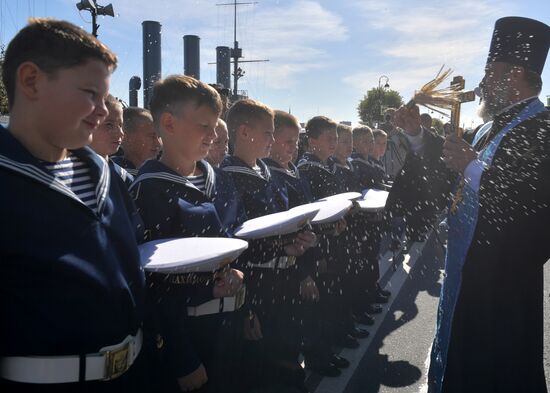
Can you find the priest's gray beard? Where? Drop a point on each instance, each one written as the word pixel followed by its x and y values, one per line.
pixel 492 105
pixel 484 112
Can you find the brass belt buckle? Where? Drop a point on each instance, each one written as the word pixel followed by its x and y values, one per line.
pixel 240 297
pixel 116 362
pixel 291 261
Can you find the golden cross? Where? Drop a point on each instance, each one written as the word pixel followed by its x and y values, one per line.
pixel 458 83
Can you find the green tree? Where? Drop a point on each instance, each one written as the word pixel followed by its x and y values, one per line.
pixel 3 95
pixel 373 104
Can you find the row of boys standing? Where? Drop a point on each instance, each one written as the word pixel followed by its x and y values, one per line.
pixel 304 293
pixel 260 178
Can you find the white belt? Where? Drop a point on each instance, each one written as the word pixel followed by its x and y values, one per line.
pixel 109 363
pixel 215 306
pixel 276 263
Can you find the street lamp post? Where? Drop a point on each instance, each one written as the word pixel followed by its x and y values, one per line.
pixel 385 87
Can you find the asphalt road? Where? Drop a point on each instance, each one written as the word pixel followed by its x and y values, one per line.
pixel 394 358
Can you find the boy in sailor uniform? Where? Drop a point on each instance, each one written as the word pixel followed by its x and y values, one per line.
pixel 181 195
pixel 315 167
pixel 272 281
pixel 108 137
pixel 73 291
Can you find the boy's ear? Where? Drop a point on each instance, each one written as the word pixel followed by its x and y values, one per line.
pixel 166 123
pixel 28 77
pixel 242 131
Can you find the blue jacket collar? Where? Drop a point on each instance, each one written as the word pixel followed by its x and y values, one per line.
pixel 236 165
pixel 310 159
pixel 14 157
pixel 154 169
pixel 274 166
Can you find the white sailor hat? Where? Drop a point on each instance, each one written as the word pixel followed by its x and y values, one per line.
pixel 190 255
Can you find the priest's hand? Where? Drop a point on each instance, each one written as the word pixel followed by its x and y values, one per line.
pixel 457 153
pixel 194 380
pixel 408 119
pixel 227 282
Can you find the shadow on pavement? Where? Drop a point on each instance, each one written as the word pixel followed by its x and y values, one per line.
pixel 376 369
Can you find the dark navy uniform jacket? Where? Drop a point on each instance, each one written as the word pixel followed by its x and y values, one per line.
pixel 368 174
pixel 345 175
pixel 172 207
pixel 71 281
pixel 297 189
pixel 320 177
pixel 323 183
pixel 126 177
pixel 126 164
pixel 381 179
pixel 261 195
pixel 297 193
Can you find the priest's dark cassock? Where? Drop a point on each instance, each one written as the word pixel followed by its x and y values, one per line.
pixel 489 335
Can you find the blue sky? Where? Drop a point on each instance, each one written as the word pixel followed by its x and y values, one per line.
pixel 324 55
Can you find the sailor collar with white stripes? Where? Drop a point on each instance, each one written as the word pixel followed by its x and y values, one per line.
pixel 154 169
pixel 14 157
pixel 276 167
pixel 338 164
pixel 234 164
pixel 312 160
pixel 356 157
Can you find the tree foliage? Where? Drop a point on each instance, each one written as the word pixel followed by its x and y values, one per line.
pixel 3 95
pixel 373 104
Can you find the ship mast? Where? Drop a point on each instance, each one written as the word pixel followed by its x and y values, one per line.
pixel 236 52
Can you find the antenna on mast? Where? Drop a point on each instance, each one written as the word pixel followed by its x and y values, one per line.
pixel 236 52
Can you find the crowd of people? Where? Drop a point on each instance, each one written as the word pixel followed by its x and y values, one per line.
pixel 81 314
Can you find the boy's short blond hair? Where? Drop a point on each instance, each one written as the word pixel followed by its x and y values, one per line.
pixel 319 124
pixel 378 132
pixel 285 120
pixel 112 102
pixel 343 128
pixel 52 45
pixel 361 132
pixel 134 117
pixel 244 112
pixel 174 91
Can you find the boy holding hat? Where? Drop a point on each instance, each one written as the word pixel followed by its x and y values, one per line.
pixel 272 279
pixel 318 170
pixel 73 288
pixel 181 195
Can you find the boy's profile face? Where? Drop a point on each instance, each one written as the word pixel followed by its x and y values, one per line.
pixel 220 145
pixel 107 138
pixel 143 143
pixel 345 145
pixel 365 145
pixel 192 131
pixel 380 145
pixel 70 104
pixel 285 145
pixel 324 146
pixel 258 136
